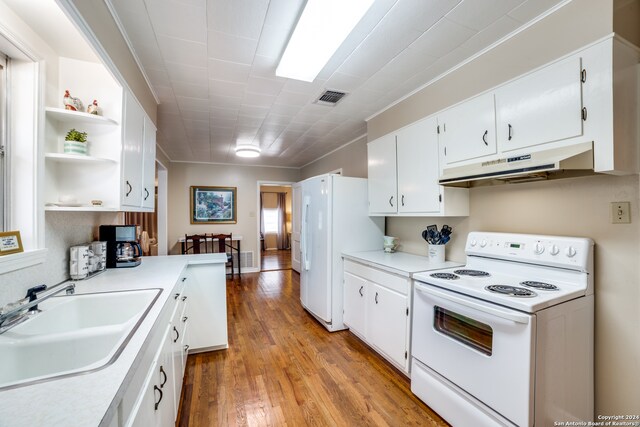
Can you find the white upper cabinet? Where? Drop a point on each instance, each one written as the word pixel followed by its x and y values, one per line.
pixel 418 165
pixel 149 165
pixel 133 142
pixel 404 167
pixel 468 130
pixel 541 107
pixel 381 155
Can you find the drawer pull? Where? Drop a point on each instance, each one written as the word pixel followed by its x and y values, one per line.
pixel 184 278
pixel 184 298
pixel 184 319
pixel 176 296
pixel 186 348
pixel 164 381
pixel 360 291
pixel 155 388
pixel 177 334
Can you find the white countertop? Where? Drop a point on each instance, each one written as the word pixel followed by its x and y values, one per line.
pixel 402 263
pixel 91 399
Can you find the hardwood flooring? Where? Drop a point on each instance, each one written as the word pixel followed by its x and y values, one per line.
pixel 282 368
pixel 275 260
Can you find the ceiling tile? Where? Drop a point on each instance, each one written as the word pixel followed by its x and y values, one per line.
pixel 192 104
pixel 490 34
pixel 174 19
pixel 231 48
pixel 264 86
pixel 242 18
pixel 188 74
pixel 478 15
pixel 183 51
pixel 228 71
pixel 225 88
pixel 265 66
pixel 190 90
pixel 223 112
pixel 531 9
pixel 258 100
pixel 254 111
pixel 295 99
pixel 221 101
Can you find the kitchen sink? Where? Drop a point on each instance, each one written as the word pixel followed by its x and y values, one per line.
pixel 73 334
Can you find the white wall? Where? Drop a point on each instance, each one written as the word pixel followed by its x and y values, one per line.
pixel 245 178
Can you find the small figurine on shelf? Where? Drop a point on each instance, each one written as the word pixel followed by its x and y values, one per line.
pixel 93 108
pixel 71 103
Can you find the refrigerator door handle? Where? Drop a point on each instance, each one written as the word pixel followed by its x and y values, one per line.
pixel 304 237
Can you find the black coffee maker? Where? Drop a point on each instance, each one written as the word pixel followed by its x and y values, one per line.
pixel 123 250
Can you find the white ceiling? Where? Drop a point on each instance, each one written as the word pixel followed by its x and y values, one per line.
pixel 212 64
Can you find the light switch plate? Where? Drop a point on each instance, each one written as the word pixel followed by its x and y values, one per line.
pixel 620 212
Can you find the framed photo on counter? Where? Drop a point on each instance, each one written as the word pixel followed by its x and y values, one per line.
pixel 10 243
pixel 213 205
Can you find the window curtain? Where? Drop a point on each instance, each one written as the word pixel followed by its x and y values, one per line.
pixel 283 236
pixel 262 220
pixel 147 223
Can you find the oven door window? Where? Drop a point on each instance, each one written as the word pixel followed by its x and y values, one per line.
pixel 469 332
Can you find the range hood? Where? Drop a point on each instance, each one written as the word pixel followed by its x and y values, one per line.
pixel 523 167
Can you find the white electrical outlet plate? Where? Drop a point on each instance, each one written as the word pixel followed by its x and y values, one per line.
pixel 620 212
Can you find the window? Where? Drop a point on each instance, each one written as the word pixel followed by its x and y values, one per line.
pixel 270 217
pixel 3 139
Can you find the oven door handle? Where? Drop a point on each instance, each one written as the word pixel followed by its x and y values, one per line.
pixel 495 311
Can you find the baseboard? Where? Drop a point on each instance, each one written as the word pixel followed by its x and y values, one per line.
pixel 248 270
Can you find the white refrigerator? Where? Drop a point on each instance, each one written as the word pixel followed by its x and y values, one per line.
pixel 334 218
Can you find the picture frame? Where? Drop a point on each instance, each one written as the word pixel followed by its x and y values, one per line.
pixel 10 243
pixel 213 205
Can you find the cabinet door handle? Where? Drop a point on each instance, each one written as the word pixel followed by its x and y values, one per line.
pixel 184 319
pixel 184 298
pixel 130 189
pixel 177 334
pixel 184 278
pixel 510 135
pixel 176 296
pixel 360 291
pixel 147 195
pixel 164 381
pixel 484 137
pixel 376 298
pixel 403 200
pixel 390 201
pixel 186 348
pixel 155 388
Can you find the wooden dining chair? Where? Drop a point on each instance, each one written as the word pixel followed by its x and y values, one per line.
pixel 193 244
pixel 225 245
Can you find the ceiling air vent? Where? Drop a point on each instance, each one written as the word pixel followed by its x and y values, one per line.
pixel 330 97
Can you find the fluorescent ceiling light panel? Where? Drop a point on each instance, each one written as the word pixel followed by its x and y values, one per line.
pixel 323 26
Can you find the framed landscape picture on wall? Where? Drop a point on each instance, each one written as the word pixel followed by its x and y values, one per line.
pixel 213 205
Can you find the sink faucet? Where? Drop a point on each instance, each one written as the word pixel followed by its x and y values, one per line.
pixel 17 312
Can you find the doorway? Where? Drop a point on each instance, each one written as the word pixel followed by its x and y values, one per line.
pixel 275 207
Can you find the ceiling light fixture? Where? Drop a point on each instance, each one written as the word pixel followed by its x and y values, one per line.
pixel 321 29
pixel 247 150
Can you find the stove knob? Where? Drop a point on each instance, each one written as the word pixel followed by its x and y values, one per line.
pixel 473 242
pixel 553 250
pixel 571 251
pixel 483 243
pixel 539 248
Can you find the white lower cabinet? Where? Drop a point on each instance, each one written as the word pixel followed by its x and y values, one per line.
pixel 376 309
pixel 207 285
pixel 156 407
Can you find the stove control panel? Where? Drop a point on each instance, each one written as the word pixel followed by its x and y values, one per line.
pixel 559 251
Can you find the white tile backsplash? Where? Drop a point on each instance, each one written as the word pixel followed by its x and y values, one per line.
pixel 63 229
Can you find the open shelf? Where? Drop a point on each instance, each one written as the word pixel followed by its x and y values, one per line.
pixel 70 116
pixel 75 158
pixel 87 208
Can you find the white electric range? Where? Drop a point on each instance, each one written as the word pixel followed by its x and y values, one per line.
pixel 508 338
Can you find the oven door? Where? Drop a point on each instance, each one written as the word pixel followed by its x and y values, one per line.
pixel 483 348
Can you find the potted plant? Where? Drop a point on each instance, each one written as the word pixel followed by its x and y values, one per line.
pixel 75 142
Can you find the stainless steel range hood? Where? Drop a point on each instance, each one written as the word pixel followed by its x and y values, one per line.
pixel 523 167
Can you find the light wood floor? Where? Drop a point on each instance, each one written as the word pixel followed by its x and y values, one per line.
pixel 275 260
pixel 283 369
